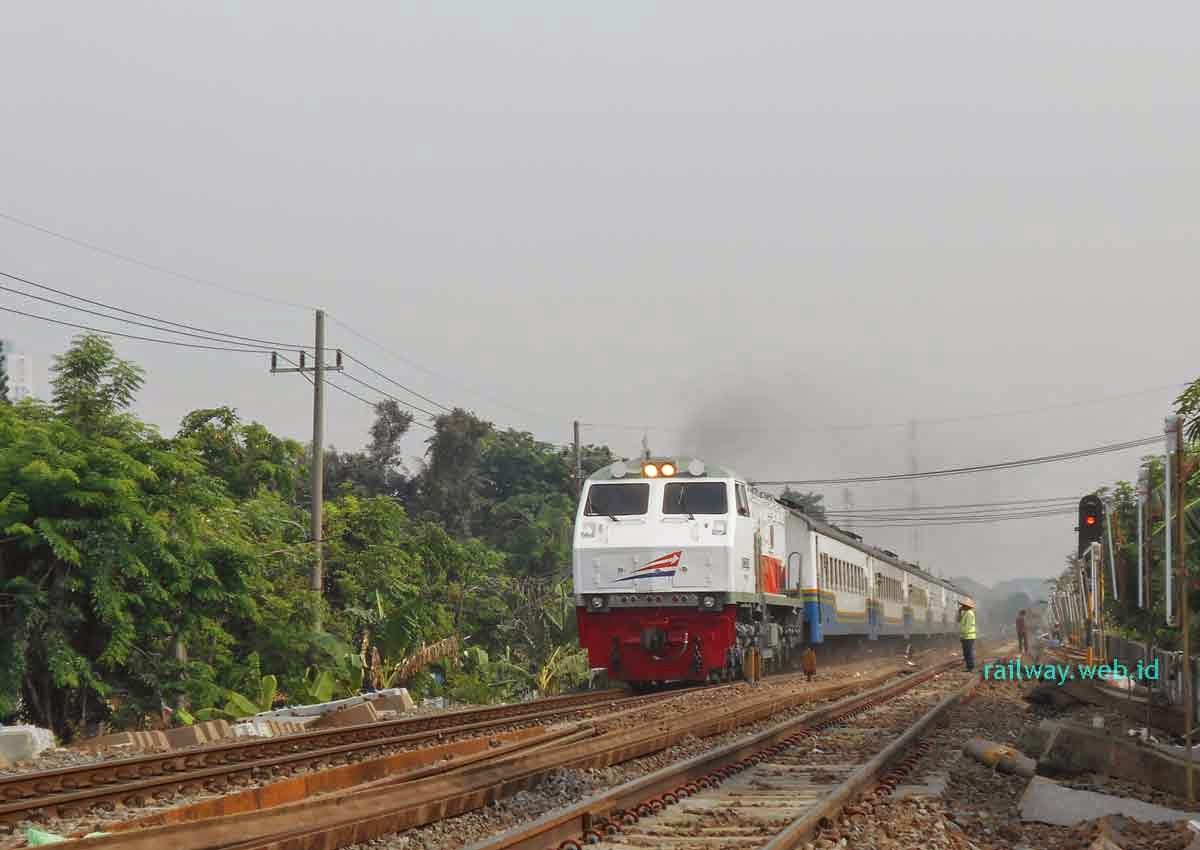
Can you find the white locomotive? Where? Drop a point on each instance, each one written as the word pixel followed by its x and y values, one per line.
pixel 680 568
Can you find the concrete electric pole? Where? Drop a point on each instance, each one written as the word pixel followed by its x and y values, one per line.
pixel 578 463
pixel 316 572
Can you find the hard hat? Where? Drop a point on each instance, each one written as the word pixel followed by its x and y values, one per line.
pixel 967 603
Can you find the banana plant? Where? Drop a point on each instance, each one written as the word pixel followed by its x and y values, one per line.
pixel 238 705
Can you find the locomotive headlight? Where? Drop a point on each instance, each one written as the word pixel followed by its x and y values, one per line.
pixel 709 602
pixel 668 469
pixel 598 602
pixel 650 470
pixel 588 530
pixel 719 526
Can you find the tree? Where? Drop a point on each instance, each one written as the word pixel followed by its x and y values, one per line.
pixel 92 384
pixel 810 502
pixel 246 456
pixel 1188 406
pixel 3 375
pixel 450 483
pixel 377 471
pixel 103 555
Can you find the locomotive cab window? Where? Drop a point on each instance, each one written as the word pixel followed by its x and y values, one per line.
pixel 706 497
pixel 617 500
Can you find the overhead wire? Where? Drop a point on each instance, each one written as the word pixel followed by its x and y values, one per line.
pixel 241 350
pixel 965 470
pixel 868 509
pixel 385 393
pixel 152 266
pixel 397 383
pixel 351 393
pixel 887 426
pixel 211 336
pixel 434 374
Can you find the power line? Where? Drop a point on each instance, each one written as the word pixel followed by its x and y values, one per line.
pixel 966 470
pixel 917 519
pixel 152 266
pixel 393 381
pixel 385 393
pixel 888 426
pixel 403 359
pixel 882 509
pixel 158 319
pixel 212 336
pixel 351 393
pixel 136 336
pixel 967 522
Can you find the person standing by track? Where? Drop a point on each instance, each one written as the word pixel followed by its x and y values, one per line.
pixel 1022 635
pixel 966 631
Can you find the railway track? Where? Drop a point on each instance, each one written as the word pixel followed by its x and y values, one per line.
pixel 770 792
pixel 71 792
pixel 398 803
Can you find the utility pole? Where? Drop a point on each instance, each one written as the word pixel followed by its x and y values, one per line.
pixel 1168 564
pixel 1143 488
pixel 578 463
pixel 316 572
pixel 1173 426
pixel 914 499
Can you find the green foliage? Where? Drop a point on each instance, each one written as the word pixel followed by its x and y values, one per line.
pixel 138 570
pixel 1188 406
pixel 812 502
pixel 3 375
pixel 92 384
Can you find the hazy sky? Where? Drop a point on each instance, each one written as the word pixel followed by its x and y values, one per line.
pixel 743 223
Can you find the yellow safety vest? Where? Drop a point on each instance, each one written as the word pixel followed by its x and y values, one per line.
pixel 966 626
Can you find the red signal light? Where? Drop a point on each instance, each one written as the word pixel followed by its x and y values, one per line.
pixel 1090 520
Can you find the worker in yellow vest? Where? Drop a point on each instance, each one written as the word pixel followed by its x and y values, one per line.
pixel 966 631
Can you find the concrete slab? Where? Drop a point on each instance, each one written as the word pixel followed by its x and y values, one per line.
pixel 361 713
pixel 22 743
pixel 1045 801
pixel 1073 749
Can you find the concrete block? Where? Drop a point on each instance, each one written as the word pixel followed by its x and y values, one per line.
pixel 395 699
pixel 361 713
pixel 1073 750
pixel 23 743
pixel 133 741
pixel 1045 801
pixel 198 734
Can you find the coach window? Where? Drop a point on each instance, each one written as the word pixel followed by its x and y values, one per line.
pixel 743 504
pixel 617 500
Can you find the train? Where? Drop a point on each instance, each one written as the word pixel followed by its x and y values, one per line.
pixel 685 572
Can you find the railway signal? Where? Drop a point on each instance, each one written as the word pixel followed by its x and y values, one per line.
pixel 1091 522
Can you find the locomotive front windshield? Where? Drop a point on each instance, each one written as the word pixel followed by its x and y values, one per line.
pixel 701 497
pixel 617 500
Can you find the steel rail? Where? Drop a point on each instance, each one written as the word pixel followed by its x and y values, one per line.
pixel 342 819
pixel 603 814
pixel 799 831
pixel 22 786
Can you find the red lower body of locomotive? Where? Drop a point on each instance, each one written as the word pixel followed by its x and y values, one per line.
pixel 659 644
